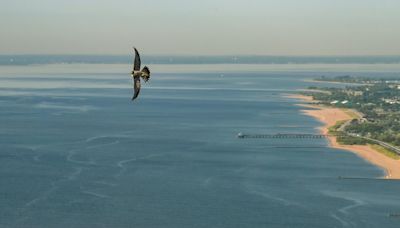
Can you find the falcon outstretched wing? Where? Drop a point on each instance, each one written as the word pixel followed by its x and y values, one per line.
pixel 136 87
pixel 136 62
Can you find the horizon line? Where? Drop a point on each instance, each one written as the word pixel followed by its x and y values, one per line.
pixel 203 55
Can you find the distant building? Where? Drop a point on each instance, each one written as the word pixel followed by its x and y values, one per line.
pixel 353 93
pixel 358 93
pixel 391 101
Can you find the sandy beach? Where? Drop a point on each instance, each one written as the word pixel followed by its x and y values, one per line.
pixel 329 116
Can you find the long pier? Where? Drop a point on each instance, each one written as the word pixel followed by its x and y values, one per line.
pixel 281 136
pixel 314 136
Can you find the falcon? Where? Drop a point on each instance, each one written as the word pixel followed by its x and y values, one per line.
pixel 137 74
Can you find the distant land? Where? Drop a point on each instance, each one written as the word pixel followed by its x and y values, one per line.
pixel 363 117
pixel 376 99
pixel 377 102
pixel 126 59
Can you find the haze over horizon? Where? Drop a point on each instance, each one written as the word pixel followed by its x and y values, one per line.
pixel 210 27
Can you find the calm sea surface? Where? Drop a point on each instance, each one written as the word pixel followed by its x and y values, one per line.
pixel 76 152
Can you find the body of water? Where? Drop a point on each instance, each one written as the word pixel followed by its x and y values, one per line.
pixel 76 152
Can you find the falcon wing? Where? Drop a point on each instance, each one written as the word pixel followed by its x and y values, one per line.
pixel 136 62
pixel 136 87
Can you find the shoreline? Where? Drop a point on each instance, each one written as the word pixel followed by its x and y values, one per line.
pixel 334 82
pixel 329 116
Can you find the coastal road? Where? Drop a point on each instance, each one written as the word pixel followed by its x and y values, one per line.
pixel 381 143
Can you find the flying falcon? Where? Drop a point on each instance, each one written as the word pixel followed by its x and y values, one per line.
pixel 137 74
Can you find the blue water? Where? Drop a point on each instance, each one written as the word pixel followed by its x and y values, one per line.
pixel 76 152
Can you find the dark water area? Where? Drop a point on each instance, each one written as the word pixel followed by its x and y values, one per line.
pixel 76 152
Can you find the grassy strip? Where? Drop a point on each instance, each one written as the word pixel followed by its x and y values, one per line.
pixel 388 153
pixel 351 113
pixel 350 140
pixel 333 129
pixel 343 138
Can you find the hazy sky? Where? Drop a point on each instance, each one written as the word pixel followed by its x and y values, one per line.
pixel 201 27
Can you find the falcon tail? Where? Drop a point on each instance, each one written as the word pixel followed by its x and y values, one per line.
pixel 146 73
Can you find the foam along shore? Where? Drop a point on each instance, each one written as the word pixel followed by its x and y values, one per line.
pixel 329 116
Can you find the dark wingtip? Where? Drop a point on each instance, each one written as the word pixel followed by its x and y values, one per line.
pixel 134 97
